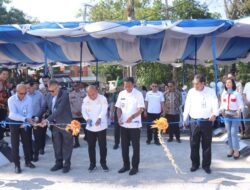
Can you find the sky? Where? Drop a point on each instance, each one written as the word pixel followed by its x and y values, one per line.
pixel 66 10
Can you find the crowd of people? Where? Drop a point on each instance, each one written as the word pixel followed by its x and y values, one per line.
pixel 34 107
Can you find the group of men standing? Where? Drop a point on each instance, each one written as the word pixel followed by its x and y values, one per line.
pixel 57 108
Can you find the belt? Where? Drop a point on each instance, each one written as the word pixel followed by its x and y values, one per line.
pixel 200 119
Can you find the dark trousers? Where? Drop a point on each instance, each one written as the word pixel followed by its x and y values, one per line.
pixel 63 146
pixel 117 129
pixel 201 132
pixel 76 138
pixel 39 139
pixel 92 137
pixel 173 129
pixel 151 117
pixel 3 114
pixel 132 135
pixel 16 132
pixel 42 137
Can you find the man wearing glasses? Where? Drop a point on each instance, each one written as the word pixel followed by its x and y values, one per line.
pixel 154 101
pixel 60 115
pixel 202 107
pixel 20 110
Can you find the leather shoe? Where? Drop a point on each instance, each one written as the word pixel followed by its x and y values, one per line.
pixel 18 170
pixel 56 167
pixel 35 158
pixel 194 168
pixel 170 140
pixel 123 169
pixel 41 152
pixel 76 145
pixel 148 141
pixel 105 167
pixel 66 169
pixel 133 171
pixel 116 146
pixel 157 143
pixel 92 167
pixel 207 170
pixel 30 165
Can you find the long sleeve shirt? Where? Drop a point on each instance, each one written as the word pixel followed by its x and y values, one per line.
pixel 37 101
pixel 93 110
pixel 75 99
pixel 19 110
pixel 231 101
pixel 201 104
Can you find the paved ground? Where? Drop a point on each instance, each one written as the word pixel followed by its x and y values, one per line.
pixel 155 172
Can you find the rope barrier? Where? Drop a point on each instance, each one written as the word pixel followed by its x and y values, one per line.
pixel 219 119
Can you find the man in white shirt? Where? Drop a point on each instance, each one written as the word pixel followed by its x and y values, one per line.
pixel 130 105
pixel 246 99
pixel 20 110
pixel 153 108
pixel 202 107
pixel 94 111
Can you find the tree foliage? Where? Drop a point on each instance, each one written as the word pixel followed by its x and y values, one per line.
pixel 13 15
pixel 237 8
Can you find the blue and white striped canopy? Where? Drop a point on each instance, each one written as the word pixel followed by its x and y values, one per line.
pixel 126 42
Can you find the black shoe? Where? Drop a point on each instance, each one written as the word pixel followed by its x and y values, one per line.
pixel 56 167
pixel 41 151
pixel 66 169
pixel 148 141
pixel 18 170
pixel 105 167
pixel 194 168
pixel 133 171
pixel 157 143
pixel 116 146
pixel 35 158
pixel 207 170
pixel 76 145
pixel 178 140
pixel 30 165
pixel 237 157
pixel 92 167
pixel 170 140
pixel 123 169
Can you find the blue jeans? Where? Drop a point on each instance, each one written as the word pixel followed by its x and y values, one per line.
pixel 232 132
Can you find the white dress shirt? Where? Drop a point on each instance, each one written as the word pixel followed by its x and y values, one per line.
pixel 154 100
pixel 201 104
pixel 19 110
pixel 130 103
pixel 93 110
pixel 246 91
pixel 231 101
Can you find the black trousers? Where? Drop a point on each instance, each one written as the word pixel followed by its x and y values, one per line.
pixel 63 146
pixel 3 114
pixel 81 120
pixel 39 139
pixel 151 117
pixel 132 135
pixel 173 129
pixel 201 132
pixel 42 137
pixel 16 132
pixel 99 136
pixel 117 129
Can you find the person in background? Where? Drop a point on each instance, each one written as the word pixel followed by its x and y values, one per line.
pixel 144 91
pixel 20 110
pixel 154 102
pixel 172 111
pixel 231 108
pixel 130 105
pixel 76 97
pixel 37 101
pixel 4 74
pixel 94 111
pixel 117 127
pixel 201 104
pixel 246 98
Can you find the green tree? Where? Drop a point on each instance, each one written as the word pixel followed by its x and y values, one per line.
pixel 13 16
pixel 237 8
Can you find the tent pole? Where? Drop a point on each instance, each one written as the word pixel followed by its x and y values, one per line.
pixel 96 71
pixel 45 49
pixel 215 62
pixel 80 79
pixel 195 56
